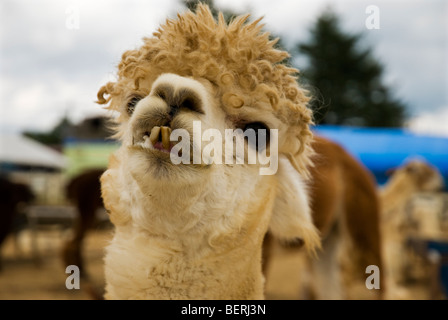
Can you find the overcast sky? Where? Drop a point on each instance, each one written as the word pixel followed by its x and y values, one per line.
pixel 55 54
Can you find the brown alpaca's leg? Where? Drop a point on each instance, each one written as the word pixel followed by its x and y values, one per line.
pixel 361 244
pixel 72 252
pixel 266 253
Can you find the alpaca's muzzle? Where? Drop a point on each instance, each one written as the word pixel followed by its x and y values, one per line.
pixel 158 138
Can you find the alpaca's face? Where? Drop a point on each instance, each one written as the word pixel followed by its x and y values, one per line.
pixel 204 110
pixel 179 128
pixel 424 176
pixel 173 103
pixel 160 195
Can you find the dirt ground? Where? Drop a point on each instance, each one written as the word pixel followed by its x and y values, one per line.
pixel 30 276
pixel 39 274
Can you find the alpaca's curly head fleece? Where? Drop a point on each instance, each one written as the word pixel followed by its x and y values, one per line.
pixel 224 76
pixel 237 63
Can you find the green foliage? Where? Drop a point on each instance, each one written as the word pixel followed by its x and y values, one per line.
pixel 53 137
pixel 228 14
pixel 346 80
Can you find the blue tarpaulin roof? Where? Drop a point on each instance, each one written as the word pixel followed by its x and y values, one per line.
pixel 381 149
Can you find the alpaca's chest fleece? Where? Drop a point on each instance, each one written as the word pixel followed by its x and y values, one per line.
pixel 159 270
pixel 197 241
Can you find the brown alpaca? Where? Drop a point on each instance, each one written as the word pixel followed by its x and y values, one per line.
pixel 12 195
pixel 84 191
pixel 345 209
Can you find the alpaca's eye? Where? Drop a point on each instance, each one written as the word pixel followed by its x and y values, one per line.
pixel 262 134
pixel 130 107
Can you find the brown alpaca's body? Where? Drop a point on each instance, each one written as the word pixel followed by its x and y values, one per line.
pixel 12 194
pixel 345 209
pixel 84 191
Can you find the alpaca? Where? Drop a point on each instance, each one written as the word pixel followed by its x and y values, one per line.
pixel 195 231
pixel 411 178
pixel 345 210
pixel 13 195
pixel 85 192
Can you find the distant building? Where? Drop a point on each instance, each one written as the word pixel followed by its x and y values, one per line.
pixel 95 128
pixel 27 161
pixel 48 165
pixel 88 145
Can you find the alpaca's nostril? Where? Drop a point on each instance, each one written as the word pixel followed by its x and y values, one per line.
pixel 161 95
pixel 188 99
pixel 164 92
pixel 183 98
pixel 173 110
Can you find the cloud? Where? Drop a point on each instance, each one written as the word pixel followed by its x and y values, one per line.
pixel 48 69
pixel 412 42
pixel 431 123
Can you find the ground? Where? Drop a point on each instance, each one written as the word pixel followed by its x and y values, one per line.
pixel 27 277
pixel 40 275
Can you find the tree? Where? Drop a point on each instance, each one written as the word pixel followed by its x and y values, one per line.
pixel 53 137
pixel 228 14
pixel 346 79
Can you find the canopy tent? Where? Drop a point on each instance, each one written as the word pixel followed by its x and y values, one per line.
pixel 381 149
pixel 22 151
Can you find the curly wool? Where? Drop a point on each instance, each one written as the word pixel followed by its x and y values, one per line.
pixel 238 58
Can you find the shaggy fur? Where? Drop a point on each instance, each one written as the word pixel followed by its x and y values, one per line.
pixel 345 209
pixel 195 231
pixel 84 191
pixel 12 196
pixel 406 181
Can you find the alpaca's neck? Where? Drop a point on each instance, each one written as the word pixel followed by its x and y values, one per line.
pixel 139 266
pixel 396 193
pixel 194 212
pixel 200 242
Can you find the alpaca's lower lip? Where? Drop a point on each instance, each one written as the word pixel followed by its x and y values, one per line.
pixel 157 151
pixel 159 146
pixel 153 151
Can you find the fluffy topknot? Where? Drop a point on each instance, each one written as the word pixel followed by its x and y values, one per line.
pixel 237 57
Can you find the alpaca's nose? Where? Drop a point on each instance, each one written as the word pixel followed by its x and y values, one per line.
pixel 179 98
pixel 170 95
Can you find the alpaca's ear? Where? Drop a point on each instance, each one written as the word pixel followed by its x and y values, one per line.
pixel 291 219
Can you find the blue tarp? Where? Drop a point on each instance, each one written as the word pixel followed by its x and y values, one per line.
pixel 381 149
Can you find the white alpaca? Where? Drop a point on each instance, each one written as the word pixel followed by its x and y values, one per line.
pixel 195 231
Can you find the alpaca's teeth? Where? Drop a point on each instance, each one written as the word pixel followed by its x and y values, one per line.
pixel 166 132
pixel 154 136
